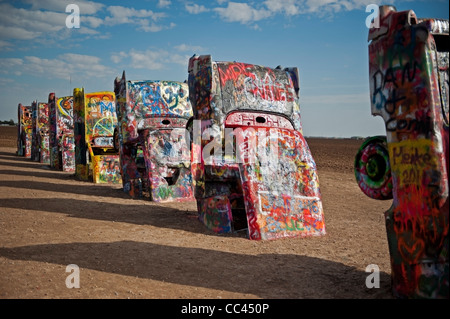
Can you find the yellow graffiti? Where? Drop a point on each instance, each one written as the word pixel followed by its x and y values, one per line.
pixel 411 159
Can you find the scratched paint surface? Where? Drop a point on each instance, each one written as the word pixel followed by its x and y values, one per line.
pixel 280 184
pixel 25 130
pixel 167 161
pixel 154 155
pixel 230 86
pixel 141 101
pixel 279 201
pixel 409 90
pixel 94 122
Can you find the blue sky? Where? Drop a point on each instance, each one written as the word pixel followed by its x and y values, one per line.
pixel 154 39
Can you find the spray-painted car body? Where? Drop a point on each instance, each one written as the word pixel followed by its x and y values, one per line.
pixel 40 149
pixel 62 143
pixel 154 155
pixel 408 68
pixel 24 130
pixel 268 183
pixel 94 122
pixel 34 143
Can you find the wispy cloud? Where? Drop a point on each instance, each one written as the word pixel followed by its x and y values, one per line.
pixel 19 23
pixel 84 66
pixel 5 45
pixel 187 47
pixel 164 3
pixel 46 19
pixel 86 7
pixel 145 20
pixel 249 13
pixel 242 12
pixel 149 59
pixel 121 15
pixel 195 8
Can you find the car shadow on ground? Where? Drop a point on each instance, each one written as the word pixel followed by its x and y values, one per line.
pixel 131 212
pixel 269 276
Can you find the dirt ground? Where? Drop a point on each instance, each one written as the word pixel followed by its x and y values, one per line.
pixel 127 248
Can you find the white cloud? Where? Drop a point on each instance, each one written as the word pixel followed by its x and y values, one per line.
pixel 86 7
pixel 152 60
pixel 45 20
pixel 187 47
pixel 289 7
pixel 42 25
pixel 195 8
pixel 5 45
pixel 149 59
pixel 121 15
pixel 146 26
pixel 164 3
pixel 118 57
pixel 18 23
pixel 145 20
pixel 13 32
pixel 242 12
pixel 4 81
pixel 94 22
pixel 83 66
pixel 247 14
pixel 10 65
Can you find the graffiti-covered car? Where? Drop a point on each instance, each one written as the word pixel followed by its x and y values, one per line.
pixel 251 166
pixel 24 130
pixel 62 143
pixel 151 137
pixel 409 78
pixel 40 149
pixel 94 121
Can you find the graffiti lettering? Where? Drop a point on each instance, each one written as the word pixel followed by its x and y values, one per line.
pixel 412 156
pixel 417 125
pixel 265 89
pixel 391 80
pixel 410 159
pixel 107 107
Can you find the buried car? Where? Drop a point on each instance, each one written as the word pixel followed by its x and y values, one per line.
pixel 409 78
pixel 154 155
pixel 252 168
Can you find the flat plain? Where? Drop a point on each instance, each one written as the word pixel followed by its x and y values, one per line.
pixel 138 249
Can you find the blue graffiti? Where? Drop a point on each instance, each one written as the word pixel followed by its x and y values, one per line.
pixel 106 107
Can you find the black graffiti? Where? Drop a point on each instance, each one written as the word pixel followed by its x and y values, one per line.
pixel 380 80
pixel 421 126
pixel 411 156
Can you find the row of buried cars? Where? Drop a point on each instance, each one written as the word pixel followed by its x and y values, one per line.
pixel 231 139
